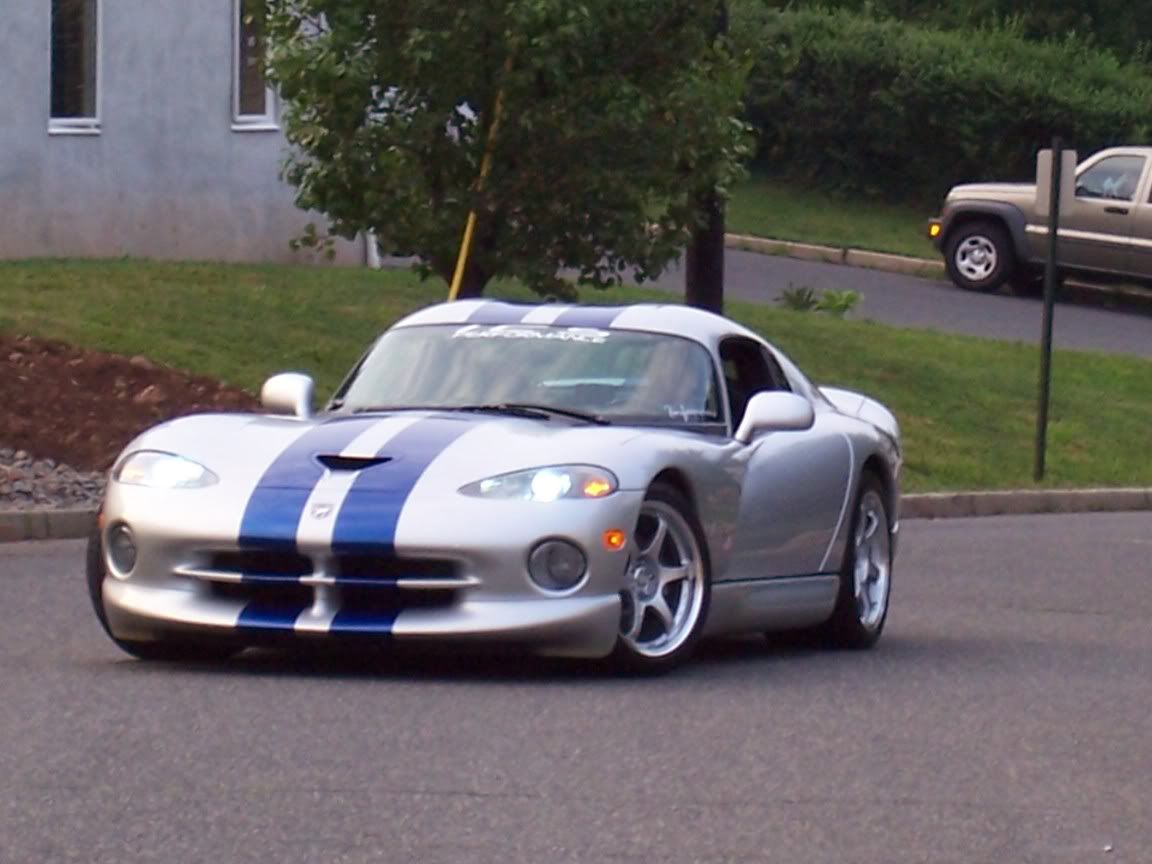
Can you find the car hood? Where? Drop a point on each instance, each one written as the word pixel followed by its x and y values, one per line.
pixel 996 191
pixel 246 451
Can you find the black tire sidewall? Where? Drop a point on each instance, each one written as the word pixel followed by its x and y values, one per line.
pixel 843 629
pixel 1005 256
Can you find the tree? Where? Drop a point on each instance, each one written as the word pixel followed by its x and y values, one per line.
pixel 615 116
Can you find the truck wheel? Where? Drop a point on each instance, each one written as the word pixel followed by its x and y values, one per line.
pixel 978 256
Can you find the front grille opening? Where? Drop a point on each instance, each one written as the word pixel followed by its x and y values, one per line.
pixel 261 562
pixel 285 595
pixel 370 601
pixel 388 567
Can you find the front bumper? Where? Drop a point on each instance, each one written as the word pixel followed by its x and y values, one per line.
pixel 459 577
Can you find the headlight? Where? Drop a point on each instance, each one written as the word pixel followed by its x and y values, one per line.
pixel 547 484
pixel 162 471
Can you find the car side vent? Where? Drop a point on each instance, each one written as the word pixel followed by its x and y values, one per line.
pixel 351 463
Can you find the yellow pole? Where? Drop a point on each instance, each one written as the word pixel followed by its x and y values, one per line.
pixel 485 168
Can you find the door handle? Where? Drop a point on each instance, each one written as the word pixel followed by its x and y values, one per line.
pixel 1117 211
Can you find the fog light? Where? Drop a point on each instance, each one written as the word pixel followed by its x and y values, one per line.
pixel 122 549
pixel 556 565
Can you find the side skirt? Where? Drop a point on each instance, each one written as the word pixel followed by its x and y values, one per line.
pixel 771 604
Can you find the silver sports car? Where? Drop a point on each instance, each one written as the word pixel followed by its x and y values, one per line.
pixel 603 482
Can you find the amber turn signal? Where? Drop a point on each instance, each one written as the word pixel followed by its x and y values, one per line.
pixel 597 487
pixel 614 539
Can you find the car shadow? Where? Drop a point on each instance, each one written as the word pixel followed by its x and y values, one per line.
pixel 720 658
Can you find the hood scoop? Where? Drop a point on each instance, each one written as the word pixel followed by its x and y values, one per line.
pixel 336 462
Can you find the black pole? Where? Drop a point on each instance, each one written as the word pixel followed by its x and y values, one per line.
pixel 704 261
pixel 1050 282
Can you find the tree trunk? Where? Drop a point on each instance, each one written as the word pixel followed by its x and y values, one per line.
pixel 704 267
pixel 704 264
pixel 471 286
pixel 474 280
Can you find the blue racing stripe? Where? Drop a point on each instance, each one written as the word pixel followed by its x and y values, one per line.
pixel 588 316
pixel 276 504
pixel 367 520
pixel 369 623
pixel 259 615
pixel 498 313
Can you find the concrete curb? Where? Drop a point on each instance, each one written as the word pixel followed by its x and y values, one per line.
pixel 21 525
pixel 953 505
pixel 18 525
pixel 902 264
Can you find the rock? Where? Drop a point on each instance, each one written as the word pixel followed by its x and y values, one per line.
pixel 150 395
pixel 141 362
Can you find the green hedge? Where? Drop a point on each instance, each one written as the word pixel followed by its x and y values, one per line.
pixel 898 111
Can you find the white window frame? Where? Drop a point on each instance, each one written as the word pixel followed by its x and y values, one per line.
pixel 266 122
pixel 80 125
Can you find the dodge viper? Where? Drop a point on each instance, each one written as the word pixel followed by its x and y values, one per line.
pixel 612 482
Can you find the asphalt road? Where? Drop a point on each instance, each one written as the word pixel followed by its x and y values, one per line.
pixel 906 301
pixel 1004 718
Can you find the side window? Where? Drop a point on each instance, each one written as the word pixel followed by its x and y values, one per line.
pixel 748 370
pixel 1115 178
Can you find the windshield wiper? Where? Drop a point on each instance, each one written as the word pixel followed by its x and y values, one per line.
pixel 526 409
pixel 514 409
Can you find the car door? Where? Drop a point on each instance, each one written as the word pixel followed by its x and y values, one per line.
pixel 1140 253
pixel 1096 226
pixel 795 483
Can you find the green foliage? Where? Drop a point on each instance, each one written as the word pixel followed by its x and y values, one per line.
pixel 897 111
pixel 798 299
pixel 616 117
pixel 838 303
pixel 1120 26
pixel 804 299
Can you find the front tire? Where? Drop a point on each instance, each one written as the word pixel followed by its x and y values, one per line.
pixel 865 574
pixel 979 256
pixel 170 649
pixel 664 604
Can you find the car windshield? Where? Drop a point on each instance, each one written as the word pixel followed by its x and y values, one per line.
pixel 617 375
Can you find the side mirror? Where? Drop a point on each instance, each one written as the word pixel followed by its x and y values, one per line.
pixel 288 393
pixel 775 411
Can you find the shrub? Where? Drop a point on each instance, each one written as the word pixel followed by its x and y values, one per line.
pixel 898 111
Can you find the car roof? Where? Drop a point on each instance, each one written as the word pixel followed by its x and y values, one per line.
pixel 672 319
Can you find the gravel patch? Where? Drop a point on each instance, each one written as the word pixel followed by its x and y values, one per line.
pixel 26 483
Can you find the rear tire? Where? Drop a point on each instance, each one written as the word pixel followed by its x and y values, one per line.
pixel 979 256
pixel 169 649
pixel 865 574
pixel 664 604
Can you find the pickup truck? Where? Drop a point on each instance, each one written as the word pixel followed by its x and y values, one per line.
pixel 990 234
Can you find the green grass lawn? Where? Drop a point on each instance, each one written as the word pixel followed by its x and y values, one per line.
pixel 966 405
pixel 766 207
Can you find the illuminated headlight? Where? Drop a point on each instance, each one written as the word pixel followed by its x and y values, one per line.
pixel 546 484
pixel 162 471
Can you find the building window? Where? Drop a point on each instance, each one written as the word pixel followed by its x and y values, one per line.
pixel 75 66
pixel 254 104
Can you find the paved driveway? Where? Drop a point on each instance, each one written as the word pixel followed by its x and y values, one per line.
pixel 1004 718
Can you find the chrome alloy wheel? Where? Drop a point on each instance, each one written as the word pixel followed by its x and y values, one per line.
pixel 976 258
pixel 664 584
pixel 873 561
